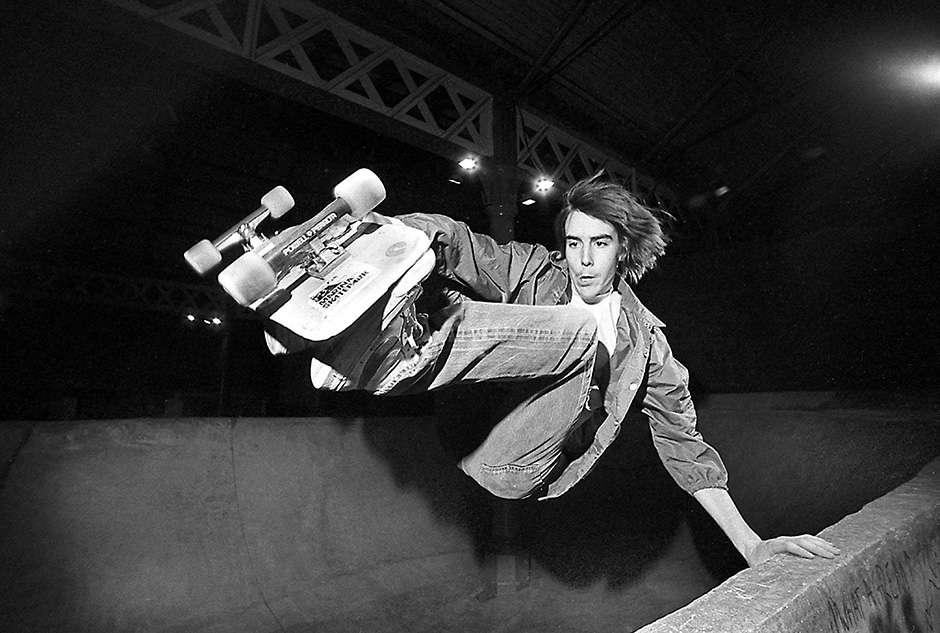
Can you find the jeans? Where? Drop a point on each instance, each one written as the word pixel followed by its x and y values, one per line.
pixel 547 352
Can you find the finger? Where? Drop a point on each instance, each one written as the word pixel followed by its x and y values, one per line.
pixel 814 545
pixel 794 548
pixel 817 545
pixel 820 547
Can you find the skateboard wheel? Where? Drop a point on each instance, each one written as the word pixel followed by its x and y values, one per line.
pixel 248 278
pixel 278 201
pixel 203 257
pixel 362 191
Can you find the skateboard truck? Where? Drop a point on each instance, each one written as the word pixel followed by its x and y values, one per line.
pixel 206 255
pixel 314 245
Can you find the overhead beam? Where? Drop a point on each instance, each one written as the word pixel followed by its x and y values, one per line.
pixel 474 26
pixel 510 48
pixel 347 62
pixel 623 13
pixel 560 36
pixel 544 149
pixel 267 41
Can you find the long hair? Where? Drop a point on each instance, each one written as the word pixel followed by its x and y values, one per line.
pixel 638 229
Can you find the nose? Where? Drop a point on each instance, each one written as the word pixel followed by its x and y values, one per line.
pixel 587 255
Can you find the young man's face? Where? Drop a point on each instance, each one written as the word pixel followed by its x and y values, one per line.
pixel 592 251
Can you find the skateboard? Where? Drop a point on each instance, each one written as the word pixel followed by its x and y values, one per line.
pixel 318 277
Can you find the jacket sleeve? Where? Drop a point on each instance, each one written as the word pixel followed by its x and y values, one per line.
pixel 494 272
pixel 687 457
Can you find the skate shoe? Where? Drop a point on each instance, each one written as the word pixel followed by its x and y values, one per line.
pixel 382 347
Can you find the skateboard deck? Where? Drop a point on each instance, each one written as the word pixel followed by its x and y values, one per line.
pixel 318 277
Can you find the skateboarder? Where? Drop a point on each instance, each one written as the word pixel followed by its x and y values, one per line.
pixel 567 333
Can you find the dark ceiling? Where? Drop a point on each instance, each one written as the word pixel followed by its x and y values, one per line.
pixel 762 97
pixel 806 112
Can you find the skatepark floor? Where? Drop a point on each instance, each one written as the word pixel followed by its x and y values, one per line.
pixel 543 604
pixel 88 554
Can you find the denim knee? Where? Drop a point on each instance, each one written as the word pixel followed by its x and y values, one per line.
pixel 508 481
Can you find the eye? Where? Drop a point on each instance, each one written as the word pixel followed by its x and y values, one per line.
pixel 573 244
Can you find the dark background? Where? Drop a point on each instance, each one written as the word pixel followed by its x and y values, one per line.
pixel 116 157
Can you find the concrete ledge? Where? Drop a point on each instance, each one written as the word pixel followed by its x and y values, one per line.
pixel 887 578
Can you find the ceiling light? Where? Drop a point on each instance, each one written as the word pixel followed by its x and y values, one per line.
pixel 544 184
pixel 919 74
pixel 528 201
pixel 929 74
pixel 469 163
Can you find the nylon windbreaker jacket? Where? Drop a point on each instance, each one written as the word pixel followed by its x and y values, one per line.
pixel 641 363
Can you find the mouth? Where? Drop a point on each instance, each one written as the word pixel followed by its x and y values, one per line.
pixel 584 280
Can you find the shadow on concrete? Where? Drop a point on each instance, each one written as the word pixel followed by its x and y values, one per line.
pixel 792 471
pixel 609 528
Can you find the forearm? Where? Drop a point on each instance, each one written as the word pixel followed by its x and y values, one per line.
pixel 490 271
pixel 719 505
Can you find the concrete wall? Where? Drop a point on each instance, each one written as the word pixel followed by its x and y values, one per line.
pixel 225 525
pixel 887 579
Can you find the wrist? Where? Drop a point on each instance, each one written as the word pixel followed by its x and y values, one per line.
pixel 749 549
pixel 749 545
pixel 747 542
